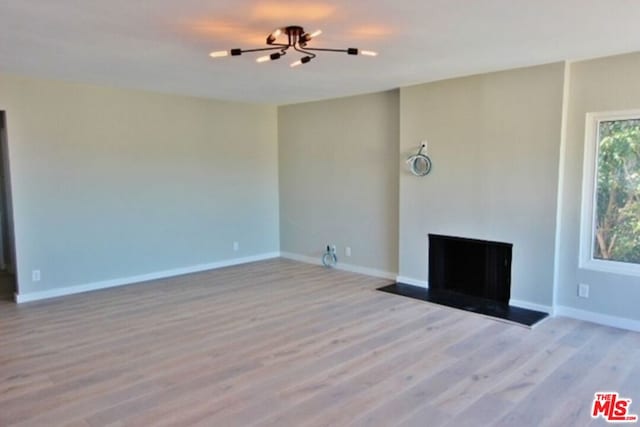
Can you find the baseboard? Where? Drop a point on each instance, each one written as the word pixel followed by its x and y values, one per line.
pixel 413 282
pixel 122 281
pixel 531 306
pixel 602 319
pixel 341 266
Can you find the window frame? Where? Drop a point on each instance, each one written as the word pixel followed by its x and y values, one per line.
pixel 589 186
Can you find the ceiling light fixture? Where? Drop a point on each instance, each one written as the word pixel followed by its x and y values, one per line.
pixel 297 38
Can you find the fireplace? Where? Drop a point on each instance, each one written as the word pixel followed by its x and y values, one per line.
pixel 472 275
pixel 472 267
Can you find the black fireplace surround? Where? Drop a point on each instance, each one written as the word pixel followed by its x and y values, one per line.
pixel 472 275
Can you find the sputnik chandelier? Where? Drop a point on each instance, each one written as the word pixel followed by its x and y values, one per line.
pixel 297 38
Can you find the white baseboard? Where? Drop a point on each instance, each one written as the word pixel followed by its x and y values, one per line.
pixel 112 283
pixel 341 266
pixel 602 319
pixel 413 282
pixel 531 306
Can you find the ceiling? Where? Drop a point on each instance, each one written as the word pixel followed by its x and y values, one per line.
pixel 163 45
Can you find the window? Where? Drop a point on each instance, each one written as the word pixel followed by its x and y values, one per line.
pixel 610 239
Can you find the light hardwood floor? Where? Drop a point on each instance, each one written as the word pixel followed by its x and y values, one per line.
pixel 279 343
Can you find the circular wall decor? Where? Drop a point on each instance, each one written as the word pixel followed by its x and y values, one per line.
pixel 419 164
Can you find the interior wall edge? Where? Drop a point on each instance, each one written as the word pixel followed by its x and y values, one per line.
pixel 341 266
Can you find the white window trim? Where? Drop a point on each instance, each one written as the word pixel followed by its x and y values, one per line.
pixel 587 217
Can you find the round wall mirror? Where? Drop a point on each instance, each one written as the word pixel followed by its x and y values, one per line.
pixel 419 164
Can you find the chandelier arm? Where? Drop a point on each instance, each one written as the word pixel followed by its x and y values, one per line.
pixel 261 49
pixel 280 44
pixel 318 49
pixel 306 52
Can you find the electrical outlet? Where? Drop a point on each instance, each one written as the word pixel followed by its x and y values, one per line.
pixel 347 251
pixel 35 275
pixel 583 290
pixel 236 246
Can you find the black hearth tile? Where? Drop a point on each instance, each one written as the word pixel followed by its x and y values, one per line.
pixel 468 303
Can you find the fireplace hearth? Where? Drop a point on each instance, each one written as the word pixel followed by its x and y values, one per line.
pixel 472 275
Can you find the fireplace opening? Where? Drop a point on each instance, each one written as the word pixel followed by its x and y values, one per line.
pixel 471 267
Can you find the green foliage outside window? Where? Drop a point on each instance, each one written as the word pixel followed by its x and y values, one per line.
pixel 617 233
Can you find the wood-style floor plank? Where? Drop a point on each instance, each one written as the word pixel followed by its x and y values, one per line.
pixel 280 343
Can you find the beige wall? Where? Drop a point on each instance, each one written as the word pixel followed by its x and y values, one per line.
pixel 607 84
pixel 494 141
pixel 109 183
pixel 339 179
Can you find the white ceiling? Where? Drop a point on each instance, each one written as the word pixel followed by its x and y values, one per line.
pixel 163 45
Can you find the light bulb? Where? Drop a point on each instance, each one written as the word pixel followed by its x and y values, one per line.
pixel 271 57
pixel 368 53
pixel 303 60
pixel 274 35
pixel 219 54
pixel 316 33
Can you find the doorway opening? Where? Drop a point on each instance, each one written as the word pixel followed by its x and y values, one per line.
pixel 8 286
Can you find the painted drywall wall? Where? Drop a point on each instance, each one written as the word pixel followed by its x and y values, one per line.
pixel 112 183
pixel 494 141
pixel 607 84
pixel 338 163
